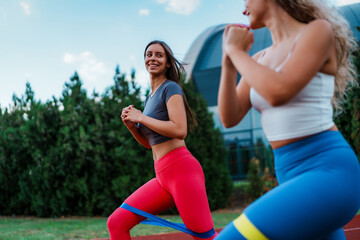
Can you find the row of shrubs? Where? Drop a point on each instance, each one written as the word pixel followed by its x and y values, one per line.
pixel 74 156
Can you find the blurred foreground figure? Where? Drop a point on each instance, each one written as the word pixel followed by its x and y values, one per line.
pixel 294 84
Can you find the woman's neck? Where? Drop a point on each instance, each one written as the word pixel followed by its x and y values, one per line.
pixel 282 26
pixel 155 82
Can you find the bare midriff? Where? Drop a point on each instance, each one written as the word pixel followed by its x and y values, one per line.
pixel 161 149
pixel 281 143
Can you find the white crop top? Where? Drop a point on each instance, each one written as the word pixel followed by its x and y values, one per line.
pixel 309 112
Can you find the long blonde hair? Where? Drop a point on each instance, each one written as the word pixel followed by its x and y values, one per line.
pixel 308 10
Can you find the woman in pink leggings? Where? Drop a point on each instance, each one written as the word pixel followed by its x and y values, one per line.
pixel 162 126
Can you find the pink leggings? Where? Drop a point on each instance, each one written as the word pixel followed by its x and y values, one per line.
pixel 179 181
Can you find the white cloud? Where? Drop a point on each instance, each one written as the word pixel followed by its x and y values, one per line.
pixel 88 67
pixel 345 2
pixel 68 58
pixel 183 7
pixel 132 57
pixel 144 12
pixel 27 75
pixel 26 7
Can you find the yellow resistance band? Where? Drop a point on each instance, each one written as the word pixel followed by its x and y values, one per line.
pixel 247 229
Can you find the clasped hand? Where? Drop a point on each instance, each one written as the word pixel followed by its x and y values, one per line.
pixel 130 116
pixel 237 37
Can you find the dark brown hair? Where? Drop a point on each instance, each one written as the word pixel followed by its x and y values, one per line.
pixel 173 73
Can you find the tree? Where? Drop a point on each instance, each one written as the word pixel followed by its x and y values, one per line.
pixel 128 164
pixel 256 184
pixel 207 145
pixel 348 121
pixel 74 156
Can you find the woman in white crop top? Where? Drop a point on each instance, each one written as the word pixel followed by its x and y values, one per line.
pixel 292 84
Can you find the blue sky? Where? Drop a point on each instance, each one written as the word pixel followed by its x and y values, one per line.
pixel 43 42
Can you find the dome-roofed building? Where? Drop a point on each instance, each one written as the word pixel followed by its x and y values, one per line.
pixel 203 60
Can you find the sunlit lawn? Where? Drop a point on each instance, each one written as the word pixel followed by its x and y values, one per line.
pixel 81 227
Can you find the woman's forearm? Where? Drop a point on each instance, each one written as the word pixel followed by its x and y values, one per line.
pixel 227 98
pixel 139 137
pixel 270 84
pixel 165 128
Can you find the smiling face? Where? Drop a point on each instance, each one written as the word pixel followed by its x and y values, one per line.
pixel 156 61
pixel 256 11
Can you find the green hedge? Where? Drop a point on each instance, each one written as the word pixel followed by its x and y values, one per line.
pixel 74 156
pixel 348 121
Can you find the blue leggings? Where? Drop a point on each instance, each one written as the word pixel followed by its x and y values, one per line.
pixel 318 193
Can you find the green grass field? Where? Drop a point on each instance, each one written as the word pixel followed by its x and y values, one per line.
pixel 81 227
pixel 26 228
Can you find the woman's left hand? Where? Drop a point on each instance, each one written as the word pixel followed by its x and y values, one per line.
pixel 131 114
pixel 237 38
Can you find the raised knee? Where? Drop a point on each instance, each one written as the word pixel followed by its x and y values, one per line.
pixel 111 222
pixel 121 220
pixel 119 225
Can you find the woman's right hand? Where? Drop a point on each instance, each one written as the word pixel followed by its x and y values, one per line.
pixel 226 62
pixel 237 36
pixel 225 57
pixel 129 124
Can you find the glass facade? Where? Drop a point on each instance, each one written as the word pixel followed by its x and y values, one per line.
pixel 244 142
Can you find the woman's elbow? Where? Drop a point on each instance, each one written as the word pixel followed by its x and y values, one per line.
pixel 275 102
pixel 227 122
pixel 178 131
pixel 280 95
pixel 146 145
pixel 182 134
pixel 278 100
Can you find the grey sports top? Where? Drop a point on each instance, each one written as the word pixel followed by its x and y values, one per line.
pixel 155 107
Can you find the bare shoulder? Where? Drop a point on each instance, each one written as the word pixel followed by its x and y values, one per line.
pixel 318 28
